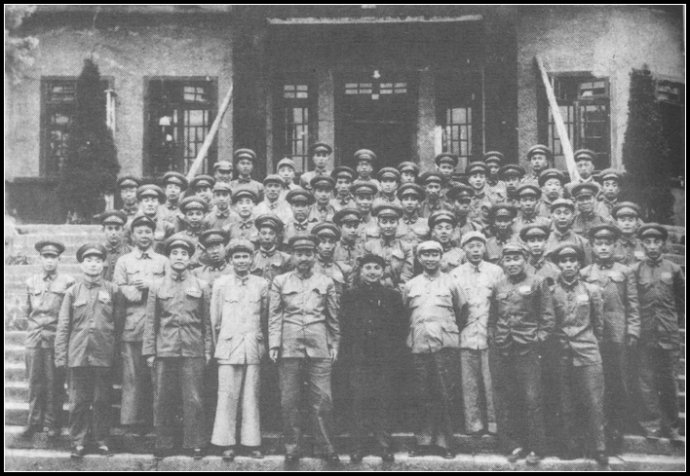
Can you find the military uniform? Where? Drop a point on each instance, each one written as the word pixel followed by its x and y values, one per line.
pixel 280 207
pixel 210 271
pixel 247 182
pixel 270 263
pixel 432 204
pixel 307 177
pixel 556 239
pixel 398 258
pixel 129 181
pixel 114 251
pixel 221 219
pixel 412 228
pixel 495 244
pixel 170 210
pixel 533 177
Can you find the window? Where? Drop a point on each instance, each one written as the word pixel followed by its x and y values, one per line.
pixel 671 99
pixel 293 119
pixel 585 107
pixel 180 112
pixel 58 98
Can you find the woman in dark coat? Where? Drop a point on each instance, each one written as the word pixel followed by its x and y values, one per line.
pixel 373 326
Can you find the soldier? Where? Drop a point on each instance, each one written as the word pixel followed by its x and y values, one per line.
pixel 320 154
pixel 178 346
pixel 502 218
pixel 328 237
pixel 268 261
pixel 522 319
pixel 364 193
pixel 628 248
pixel 495 187
pixel 438 309
pixel 350 246
pixel 621 326
pixel 434 201
pixel 413 228
pixel 445 166
pixel 244 200
pixel 364 165
pixel 222 171
pixel 202 187
pixel 88 330
pixel 409 172
pixel 528 198
pixel 459 201
pixel 584 160
pixel 478 279
pixel 221 215
pixel 286 170
pixel 512 175
pixel 136 273
pixel 540 158
pixel 113 222
pixel 476 173
pixel 579 328
pixel 442 225
pixel 128 186
pixel 212 243
pixel 373 334
pixel 245 159
pixel 586 217
pixel 396 254
pixel 551 182
pixel 274 201
pixel 661 286
pixel 300 224
pixel 322 188
pixel 174 184
pixel 150 198
pixel 343 176
pixel 239 316
pixel 562 214
pixel 534 238
pixel 389 178
pixel 304 335
pixel 193 225
pixel 46 382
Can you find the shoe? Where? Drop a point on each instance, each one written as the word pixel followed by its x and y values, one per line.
pixel 291 458
pixel 387 456
pixel 652 434
pixel 601 458
pixel 516 454
pixel 103 450
pixel 197 453
pixel 256 454
pixel 78 452
pixel 533 459
pixel 332 458
pixel 229 455
pixel 29 432
pixel 356 457
pixel 447 454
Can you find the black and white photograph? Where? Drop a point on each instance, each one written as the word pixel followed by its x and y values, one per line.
pixel 347 237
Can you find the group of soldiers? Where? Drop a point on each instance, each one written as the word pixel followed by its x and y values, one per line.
pixel 531 299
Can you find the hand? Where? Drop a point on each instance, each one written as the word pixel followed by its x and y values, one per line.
pixel 208 359
pixel 632 341
pixel 140 284
pixel 334 355
pixel 150 361
pixel 273 355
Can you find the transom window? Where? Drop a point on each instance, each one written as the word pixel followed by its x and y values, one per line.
pixel 293 120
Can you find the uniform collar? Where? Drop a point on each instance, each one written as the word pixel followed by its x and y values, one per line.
pixel 569 285
pixel 561 236
pixel 325 264
pixel 625 241
pixel 477 268
pixel 654 263
pixel 49 277
pixel 411 219
pixel 218 266
pixel 178 277
pixel 539 263
pixel 244 179
pixel 113 248
pixel 90 284
pixel 223 213
pixel 172 205
pixel 242 280
pixel 143 254
pixel 304 278
pixel 268 253
pixel 246 223
pixel 605 265
pixel 301 225
pixel 517 278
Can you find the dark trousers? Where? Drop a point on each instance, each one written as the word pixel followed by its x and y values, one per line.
pixel 89 393
pixel 371 400
pixel 46 388
pixel 549 359
pixel 179 377
pixel 436 379
pixel 657 387
pixel 616 396
pixel 137 387
pixel 292 373
pixel 583 386
pixel 516 376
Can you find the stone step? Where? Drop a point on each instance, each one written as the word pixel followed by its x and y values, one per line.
pixel 18 391
pixel 58 229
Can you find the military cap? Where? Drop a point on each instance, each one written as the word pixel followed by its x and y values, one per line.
pixel 584 154
pixel 493 156
pixel 113 217
pixel 150 190
pixel 347 215
pixel 49 247
pixel 179 241
pixel 605 230
pixel 224 165
pixel 202 181
pixel 240 244
pixel 446 157
pixel 411 189
pixel 389 173
pixel 528 189
pixel 590 188
pixel 222 187
pixel 274 178
pixel 503 209
pixel 143 220
pixel 511 170
pixel 539 149
pixel 513 248
pixel 653 230
pixel 371 258
pixel 318 146
pixel 343 171
pixel 213 236
pixel 365 154
pixel 322 181
pixel 470 236
pixel 460 191
pixel 533 230
pixel 175 178
pixel 387 210
pixel 429 177
pixel 360 186
pixel 244 154
pixel 193 203
pixel 408 167
pixel 474 167
pixel 549 174
pixel 562 202
pixel 326 228
pixel 302 242
pixel 299 195
pixel 286 161
pixel 626 209
pixel 128 181
pixel 429 245
pixel 441 216
pixel 91 249
pixel 241 192
pixel 567 249
pixel 270 220
pixel 609 174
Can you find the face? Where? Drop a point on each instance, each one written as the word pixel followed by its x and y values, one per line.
pixel 562 217
pixel 245 207
pixel 628 224
pixel 304 259
pixel 610 189
pixel 446 170
pixel 430 260
pixel 538 162
pixel 172 192
pixel 364 168
pixel 128 195
pixel 267 237
pixel 474 251
pixel 348 230
pixel 149 205
pixel 528 204
pixel 462 206
pixel 205 193
pixel 222 199
pixel 272 191
pixel 477 180
pixel 513 264
pixel 442 232
pixel 493 169
pixel 585 203
pixel 320 158
pixel 502 223
pixel 92 266
pixel 364 202
pixel 223 175
pixel 389 186
pixel 433 190
pixel 371 273
pixel 113 233
pixel 323 195
pixel 410 204
pixel 569 266
pixel 585 168
pixel 179 259
pixel 287 173
pixel 603 248
pixel 49 263
pixel 512 182
pixel 245 167
pixel 300 210
pixel 552 189
pixel 241 261
pixel 142 237
pixel 194 217
pixel 216 252
pixel 652 247
pixel 408 177
pixel 326 247
pixel 388 225
pixel 536 245
pixel 342 186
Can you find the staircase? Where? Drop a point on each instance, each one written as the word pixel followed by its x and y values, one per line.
pixel 134 453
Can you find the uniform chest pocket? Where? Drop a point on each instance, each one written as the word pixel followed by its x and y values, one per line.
pixel 192 299
pixel 443 299
pixel 667 278
pixel 398 255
